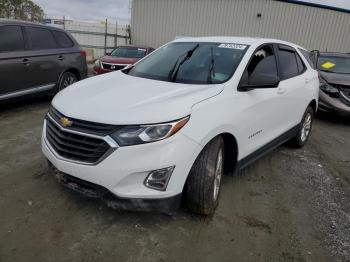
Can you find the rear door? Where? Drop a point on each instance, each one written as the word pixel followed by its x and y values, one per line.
pixel 44 63
pixel 12 59
pixel 292 89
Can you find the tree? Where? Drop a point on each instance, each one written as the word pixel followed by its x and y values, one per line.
pixel 21 9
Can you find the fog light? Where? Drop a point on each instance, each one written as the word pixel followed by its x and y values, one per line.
pixel 158 179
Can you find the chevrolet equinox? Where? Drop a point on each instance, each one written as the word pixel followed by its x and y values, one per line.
pixel 168 127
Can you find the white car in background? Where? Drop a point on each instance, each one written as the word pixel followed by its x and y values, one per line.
pixel 171 125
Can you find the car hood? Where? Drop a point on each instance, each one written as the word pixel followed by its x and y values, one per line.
pixel 337 79
pixel 118 60
pixel 117 98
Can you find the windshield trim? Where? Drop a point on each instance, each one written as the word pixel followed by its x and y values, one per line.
pixel 183 81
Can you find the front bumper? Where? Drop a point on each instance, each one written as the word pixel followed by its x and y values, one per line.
pixel 332 104
pixel 123 172
pixel 88 189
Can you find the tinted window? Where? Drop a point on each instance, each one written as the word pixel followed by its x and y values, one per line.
pixel 288 63
pixel 62 39
pixel 263 61
pixel 267 66
pixel 11 38
pixel 308 57
pixel 301 66
pixel 40 38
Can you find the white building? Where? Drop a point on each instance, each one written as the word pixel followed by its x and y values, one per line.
pixel 154 22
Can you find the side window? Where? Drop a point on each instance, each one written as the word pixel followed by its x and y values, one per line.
pixel 308 56
pixel 62 39
pixel 263 62
pixel 40 38
pixel 11 38
pixel 301 66
pixel 288 62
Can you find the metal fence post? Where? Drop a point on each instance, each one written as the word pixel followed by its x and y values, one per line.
pixel 106 36
pixel 116 34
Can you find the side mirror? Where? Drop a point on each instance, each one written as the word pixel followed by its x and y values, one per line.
pixel 259 80
pixel 263 80
pixel 108 53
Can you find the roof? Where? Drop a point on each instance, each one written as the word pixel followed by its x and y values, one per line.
pixel 21 22
pixel 253 41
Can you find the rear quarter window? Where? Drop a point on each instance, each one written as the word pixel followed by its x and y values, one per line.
pixel 63 40
pixel 307 55
pixel 11 38
pixel 40 38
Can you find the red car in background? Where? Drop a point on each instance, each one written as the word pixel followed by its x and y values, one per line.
pixel 120 57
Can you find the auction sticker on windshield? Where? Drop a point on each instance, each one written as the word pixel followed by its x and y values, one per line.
pixel 328 65
pixel 233 46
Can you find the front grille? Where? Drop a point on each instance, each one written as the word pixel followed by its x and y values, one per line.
pixel 113 67
pixel 75 147
pixel 85 126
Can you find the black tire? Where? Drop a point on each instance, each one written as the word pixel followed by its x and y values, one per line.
pixel 304 130
pixel 66 79
pixel 201 191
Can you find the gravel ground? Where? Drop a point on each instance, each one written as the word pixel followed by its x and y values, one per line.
pixel 292 205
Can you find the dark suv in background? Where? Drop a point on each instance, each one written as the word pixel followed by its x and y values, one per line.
pixel 334 71
pixel 35 58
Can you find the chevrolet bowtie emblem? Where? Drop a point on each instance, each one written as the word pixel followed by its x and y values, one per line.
pixel 65 122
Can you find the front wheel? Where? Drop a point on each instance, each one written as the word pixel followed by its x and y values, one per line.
pixel 304 130
pixel 67 78
pixel 204 181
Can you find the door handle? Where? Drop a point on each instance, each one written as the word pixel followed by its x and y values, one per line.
pixel 61 57
pixel 26 62
pixel 280 90
pixel 307 80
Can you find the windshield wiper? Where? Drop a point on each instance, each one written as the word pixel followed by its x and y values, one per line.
pixel 211 72
pixel 174 71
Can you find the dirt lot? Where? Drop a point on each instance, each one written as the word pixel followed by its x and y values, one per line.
pixel 292 205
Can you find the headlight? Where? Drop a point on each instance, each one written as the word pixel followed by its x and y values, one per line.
pixel 327 88
pixel 97 62
pixel 140 134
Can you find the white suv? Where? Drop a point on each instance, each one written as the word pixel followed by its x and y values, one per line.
pixel 168 127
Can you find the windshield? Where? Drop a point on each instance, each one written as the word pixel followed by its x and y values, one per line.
pixel 192 63
pixel 129 52
pixel 334 64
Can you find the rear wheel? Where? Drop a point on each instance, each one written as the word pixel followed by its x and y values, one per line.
pixel 305 129
pixel 67 78
pixel 204 181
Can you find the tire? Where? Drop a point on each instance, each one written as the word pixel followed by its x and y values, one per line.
pixel 203 184
pixel 66 79
pixel 304 130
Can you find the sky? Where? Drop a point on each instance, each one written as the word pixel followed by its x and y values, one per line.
pixel 98 10
pixel 88 10
pixel 345 4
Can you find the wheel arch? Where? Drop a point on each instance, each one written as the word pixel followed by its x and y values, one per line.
pixel 313 105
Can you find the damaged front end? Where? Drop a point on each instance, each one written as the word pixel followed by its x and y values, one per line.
pixel 334 97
